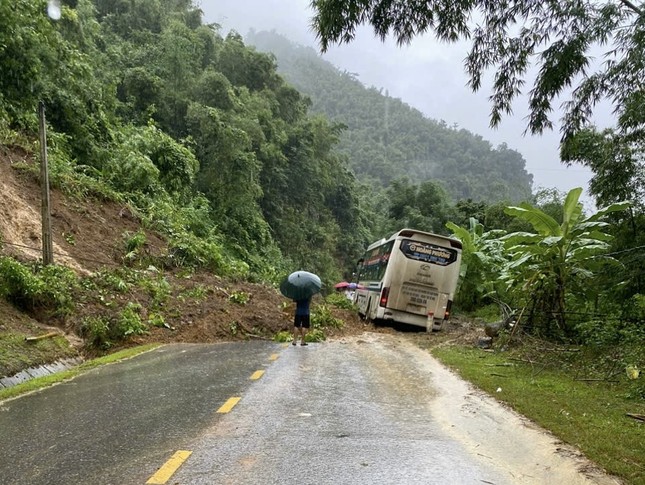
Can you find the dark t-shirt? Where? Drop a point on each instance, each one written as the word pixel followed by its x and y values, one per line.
pixel 302 307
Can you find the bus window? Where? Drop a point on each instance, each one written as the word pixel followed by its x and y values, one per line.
pixel 374 263
pixel 384 259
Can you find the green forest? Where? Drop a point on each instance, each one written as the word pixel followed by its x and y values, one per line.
pixel 385 139
pixel 254 164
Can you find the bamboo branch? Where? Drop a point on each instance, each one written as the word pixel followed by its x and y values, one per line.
pixel 557 349
pixel 638 417
pixel 596 380
pixel 632 6
pixel 528 361
pixel 41 337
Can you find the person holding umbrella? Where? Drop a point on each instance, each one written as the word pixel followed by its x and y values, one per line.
pixel 301 321
pixel 300 287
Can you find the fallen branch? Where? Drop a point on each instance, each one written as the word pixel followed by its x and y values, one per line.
pixel 597 380
pixel 528 361
pixel 638 417
pixel 41 337
pixel 556 349
pixel 498 375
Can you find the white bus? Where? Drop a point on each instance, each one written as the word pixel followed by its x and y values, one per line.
pixel 410 277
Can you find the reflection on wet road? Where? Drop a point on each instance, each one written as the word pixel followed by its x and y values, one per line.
pixel 373 409
pixel 355 412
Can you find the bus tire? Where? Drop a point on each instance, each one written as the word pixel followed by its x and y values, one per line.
pixel 367 317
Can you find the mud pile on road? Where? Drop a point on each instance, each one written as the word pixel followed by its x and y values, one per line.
pixel 88 237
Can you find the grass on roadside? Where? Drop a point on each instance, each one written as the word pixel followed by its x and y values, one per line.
pixel 589 415
pixel 40 382
pixel 18 353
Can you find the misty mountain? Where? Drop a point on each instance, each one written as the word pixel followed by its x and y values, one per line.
pixel 386 139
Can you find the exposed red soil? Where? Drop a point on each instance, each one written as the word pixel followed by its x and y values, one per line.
pixel 88 236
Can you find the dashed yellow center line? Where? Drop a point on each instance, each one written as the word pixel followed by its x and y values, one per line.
pixel 274 356
pixel 169 468
pixel 256 375
pixel 228 405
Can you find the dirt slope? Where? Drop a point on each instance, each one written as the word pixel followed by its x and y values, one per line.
pixel 88 236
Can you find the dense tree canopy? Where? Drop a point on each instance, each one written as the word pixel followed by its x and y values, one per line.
pixel 510 37
pixel 386 139
pixel 586 51
pixel 246 174
pixel 144 97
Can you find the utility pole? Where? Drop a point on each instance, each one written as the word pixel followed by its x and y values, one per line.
pixel 48 250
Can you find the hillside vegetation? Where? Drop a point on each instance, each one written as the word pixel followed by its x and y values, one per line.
pixel 189 177
pixel 186 170
pixel 386 139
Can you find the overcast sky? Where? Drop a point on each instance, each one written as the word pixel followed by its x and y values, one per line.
pixel 427 75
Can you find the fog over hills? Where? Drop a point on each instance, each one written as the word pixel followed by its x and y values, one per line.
pixel 426 75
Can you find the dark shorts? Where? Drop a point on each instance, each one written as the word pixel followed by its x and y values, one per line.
pixel 301 321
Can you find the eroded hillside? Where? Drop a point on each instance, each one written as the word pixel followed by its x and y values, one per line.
pixel 115 289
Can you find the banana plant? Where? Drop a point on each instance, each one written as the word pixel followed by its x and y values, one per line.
pixel 544 263
pixel 481 259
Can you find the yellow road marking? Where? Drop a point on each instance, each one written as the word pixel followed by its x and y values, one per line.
pixel 228 405
pixel 274 356
pixel 256 375
pixel 166 471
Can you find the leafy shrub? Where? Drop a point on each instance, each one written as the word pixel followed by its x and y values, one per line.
pixel 132 171
pixel 199 292
pixel 158 288
pixel 146 159
pixel 489 313
pixel 315 335
pixel 339 300
pixel 129 321
pixel 322 317
pixel 239 297
pixel 40 287
pixel 65 174
pixel 59 282
pixel 18 284
pixel 134 243
pixel 283 336
pixel 96 332
pixel 102 331
pixel 193 239
pixel 156 319
pixel 115 282
pixel 186 249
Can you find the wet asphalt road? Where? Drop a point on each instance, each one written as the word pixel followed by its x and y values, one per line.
pixel 119 423
pixel 335 413
pixel 367 410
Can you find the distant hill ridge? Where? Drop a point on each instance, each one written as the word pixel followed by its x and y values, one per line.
pixel 386 139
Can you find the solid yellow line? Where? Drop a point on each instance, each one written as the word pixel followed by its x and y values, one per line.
pixel 228 405
pixel 256 375
pixel 274 356
pixel 166 471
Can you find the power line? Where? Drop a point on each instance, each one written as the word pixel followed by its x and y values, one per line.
pixel 62 254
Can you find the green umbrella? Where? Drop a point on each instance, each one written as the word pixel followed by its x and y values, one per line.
pixel 300 285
